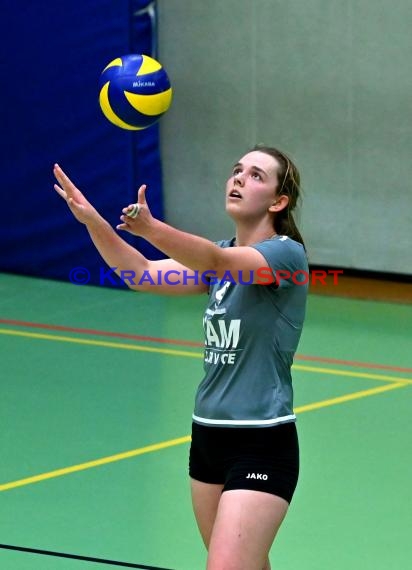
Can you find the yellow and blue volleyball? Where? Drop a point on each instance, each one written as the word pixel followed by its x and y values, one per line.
pixel 134 91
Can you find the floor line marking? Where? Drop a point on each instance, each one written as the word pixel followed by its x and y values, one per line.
pixel 349 397
pixel 78 557
pixel 104 343
pixel 354 363
pixel 182 342
pixel 190 354
pixel 95 463
pixel 336 372
pixel 186 439
pixel 97 332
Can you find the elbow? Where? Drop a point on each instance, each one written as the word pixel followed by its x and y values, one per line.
pixel 220 266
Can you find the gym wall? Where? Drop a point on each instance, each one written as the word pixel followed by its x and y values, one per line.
pixel 327 82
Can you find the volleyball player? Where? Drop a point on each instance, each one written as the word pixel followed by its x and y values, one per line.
pixel 244 456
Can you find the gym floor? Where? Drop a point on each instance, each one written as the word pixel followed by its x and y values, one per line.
pixel 97 393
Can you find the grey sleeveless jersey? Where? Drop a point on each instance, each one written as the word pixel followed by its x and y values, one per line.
pixel 251 335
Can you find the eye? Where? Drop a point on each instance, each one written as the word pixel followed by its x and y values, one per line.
pixel 236 170
pixel 256 176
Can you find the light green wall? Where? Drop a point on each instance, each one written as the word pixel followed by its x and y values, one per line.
pixel 329 82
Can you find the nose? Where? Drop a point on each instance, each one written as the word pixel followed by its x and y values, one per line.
pixel 238 178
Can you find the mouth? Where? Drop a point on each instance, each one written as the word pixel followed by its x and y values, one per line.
pixel 235 194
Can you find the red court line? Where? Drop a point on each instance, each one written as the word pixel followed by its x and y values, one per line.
pixel 101 333
pixel 179 342
pixel 353 363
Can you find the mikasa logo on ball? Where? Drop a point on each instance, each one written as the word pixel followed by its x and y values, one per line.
pixel 143 84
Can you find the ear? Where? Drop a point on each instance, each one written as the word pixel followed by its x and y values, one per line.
pixel 279 204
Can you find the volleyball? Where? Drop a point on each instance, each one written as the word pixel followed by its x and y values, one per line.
pixel 134 91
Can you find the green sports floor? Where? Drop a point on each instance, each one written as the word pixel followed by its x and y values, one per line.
pixel 95 408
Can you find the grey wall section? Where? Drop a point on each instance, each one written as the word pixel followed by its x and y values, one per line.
pixel 329 82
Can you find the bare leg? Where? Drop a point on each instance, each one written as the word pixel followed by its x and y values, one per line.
pixel 244 529
pixel 205 500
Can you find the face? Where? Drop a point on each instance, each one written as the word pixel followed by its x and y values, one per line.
pixel 251 189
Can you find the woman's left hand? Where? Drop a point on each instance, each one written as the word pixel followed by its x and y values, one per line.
pixel 138 223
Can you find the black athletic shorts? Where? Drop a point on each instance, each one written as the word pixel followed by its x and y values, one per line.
pixel 260 458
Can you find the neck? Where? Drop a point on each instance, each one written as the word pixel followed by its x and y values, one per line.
pixel 248 235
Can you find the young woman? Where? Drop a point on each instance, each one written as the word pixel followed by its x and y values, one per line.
pixel 244 456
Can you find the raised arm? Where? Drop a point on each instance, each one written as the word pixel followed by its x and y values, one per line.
pixel 165 276
pixel 190 250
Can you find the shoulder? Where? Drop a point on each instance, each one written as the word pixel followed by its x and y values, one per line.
pixel 285 257
pixel 284 242
pixel 282 247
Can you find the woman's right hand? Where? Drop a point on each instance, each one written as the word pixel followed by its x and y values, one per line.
pixel 81 208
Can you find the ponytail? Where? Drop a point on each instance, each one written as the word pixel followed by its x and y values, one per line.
pixel 289 183
pixel 285 226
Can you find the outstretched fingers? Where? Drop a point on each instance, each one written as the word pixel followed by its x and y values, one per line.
pixel 60 191
pixel 78 204
pixel 65 186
